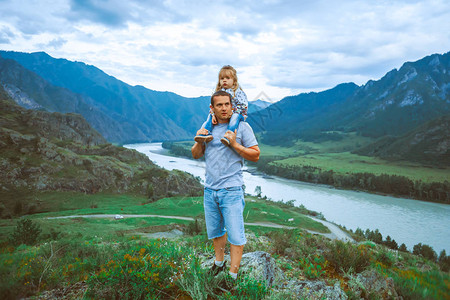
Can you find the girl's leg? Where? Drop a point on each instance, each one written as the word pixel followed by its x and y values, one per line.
pixel 208 125
pixel 234 121
pixel 205 138
pixel 232 126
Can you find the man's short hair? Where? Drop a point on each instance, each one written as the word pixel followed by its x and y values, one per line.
pixel 219 93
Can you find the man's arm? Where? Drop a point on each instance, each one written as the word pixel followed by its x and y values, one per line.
pixel 250 153
pixel 199 149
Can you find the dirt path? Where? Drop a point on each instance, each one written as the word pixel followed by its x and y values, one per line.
pixel 336 232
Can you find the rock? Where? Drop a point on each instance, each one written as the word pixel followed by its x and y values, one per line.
pixel 262 266
pixel 259 265
pixel 372 282
pixel 305 289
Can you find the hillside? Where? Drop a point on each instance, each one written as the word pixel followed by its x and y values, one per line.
pixel 428 144
pixel 286 120
pixel 42 151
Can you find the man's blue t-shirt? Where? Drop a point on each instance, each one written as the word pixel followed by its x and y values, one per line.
pixel 224 164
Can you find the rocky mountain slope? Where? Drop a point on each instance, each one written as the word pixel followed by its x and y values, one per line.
pixel 397 103
pixel 41 151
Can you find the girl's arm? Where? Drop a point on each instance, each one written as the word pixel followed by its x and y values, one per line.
pixel 240 97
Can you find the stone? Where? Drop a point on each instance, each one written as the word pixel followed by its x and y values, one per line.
pixel 372 282
pixel 259 265
pixel 313 289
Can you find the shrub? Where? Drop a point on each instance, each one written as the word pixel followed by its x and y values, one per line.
pixel 347 258
pixel 313 267
pixel 139 272
pixel 26 232
pixel 249 288
pixel 195 281
pixel 282 240
pixel 385 257
pixel 194 228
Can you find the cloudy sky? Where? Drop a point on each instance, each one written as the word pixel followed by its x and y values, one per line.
pixel 279 48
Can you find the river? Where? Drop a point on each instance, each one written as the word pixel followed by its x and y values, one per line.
pixel 404 220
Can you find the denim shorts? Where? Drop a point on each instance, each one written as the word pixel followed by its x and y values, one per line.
pixel 224 211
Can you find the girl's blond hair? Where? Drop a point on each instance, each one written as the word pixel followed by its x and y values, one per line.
pixel 230 71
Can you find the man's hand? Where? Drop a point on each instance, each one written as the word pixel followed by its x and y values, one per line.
pixel 202 131
pixel 231 136
pixel 199 148
pixel 250 153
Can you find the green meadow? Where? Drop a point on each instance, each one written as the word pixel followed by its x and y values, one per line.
pixel 336 156
pixel 53 204
pixel 91 258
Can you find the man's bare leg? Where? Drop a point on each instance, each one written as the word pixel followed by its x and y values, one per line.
pixel 236 256
pixel 219 247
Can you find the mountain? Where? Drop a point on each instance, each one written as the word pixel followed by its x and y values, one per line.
pixel 43 151
pixel 394 105
pixel 254 106
pixel 428 144
pixel 402 100
pixel 128 113
pixel 32 91
pixel 282 121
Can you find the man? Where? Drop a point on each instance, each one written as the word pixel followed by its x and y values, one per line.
pixel 224 195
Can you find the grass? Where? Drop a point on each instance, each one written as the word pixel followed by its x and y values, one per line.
pixel 256 210
pixel 346 162
pixel 72 203
pixel 109 258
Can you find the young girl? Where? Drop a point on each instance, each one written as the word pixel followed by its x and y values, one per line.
pixel 228 82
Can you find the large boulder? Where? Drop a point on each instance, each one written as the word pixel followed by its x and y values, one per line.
pixel 261 266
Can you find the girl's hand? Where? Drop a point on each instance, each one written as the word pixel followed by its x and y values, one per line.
pixel 214 120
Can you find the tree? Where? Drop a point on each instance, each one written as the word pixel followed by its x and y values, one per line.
pixel 425 251
pixel 403 248
pixel 26 232
pixel 444 261
pixel 391 243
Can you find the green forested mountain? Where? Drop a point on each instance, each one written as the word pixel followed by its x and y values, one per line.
pixel 128 113
pixel 288 119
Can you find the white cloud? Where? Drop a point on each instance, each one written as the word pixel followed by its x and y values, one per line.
pixel 278 47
